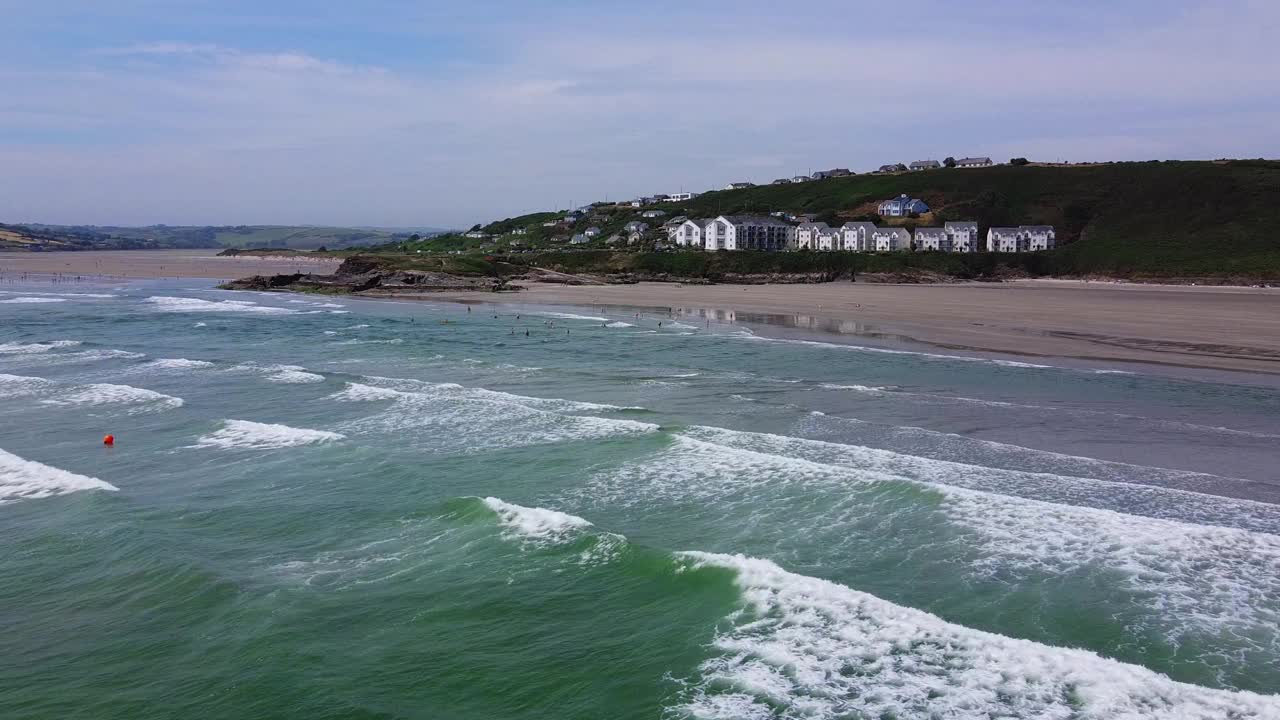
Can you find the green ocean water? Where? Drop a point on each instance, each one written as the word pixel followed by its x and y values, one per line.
pixel 334 508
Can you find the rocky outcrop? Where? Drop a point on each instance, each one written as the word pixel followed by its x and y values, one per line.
pixel 368 276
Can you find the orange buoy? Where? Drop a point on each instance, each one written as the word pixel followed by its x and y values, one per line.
pixel 109 440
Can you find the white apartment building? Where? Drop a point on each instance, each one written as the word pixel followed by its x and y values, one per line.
pixel 963 236
pixel 932 238
pixel 1039 237
pixel 745 232
pixel 1024 238
pixel 856 236
pixel 807 235
pixel 829 239
pixel 891 239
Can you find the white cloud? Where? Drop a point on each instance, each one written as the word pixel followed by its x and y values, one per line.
pixel 201 132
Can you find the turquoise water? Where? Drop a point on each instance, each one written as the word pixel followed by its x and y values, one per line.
pixel 333 508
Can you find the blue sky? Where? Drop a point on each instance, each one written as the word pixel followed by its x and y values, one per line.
pixel 403 113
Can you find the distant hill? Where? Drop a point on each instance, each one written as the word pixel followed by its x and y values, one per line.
pixel 1149 219
pixel 99 237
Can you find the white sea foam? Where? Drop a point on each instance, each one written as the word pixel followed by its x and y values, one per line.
pixel 539 525
pixel 200 324
pixel 572 316
pixel 25 479
pixel 196 305
pixel 15 386
pixel 390 341
pixel 618 324
pixel 282 374
pixel 803 647
pixel 359 326
pixel 31 300
pixel 58 294
pixel 177 364
pixel 12 348
pixel 90 356
pixel 452 418
pixel 359 392
pixel 1189 580
pixel 330 332
pixel 990 453
pixel 108 394
pixel 871 389
pixel 891 351
pixel 295 377
pixel 264 436
pixel 1129 498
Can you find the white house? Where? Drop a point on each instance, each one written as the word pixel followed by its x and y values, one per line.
pixel 973 162
pixel 688 234
pixel 739 186
pixel 807 235
pixel 800 179
pixel 902 206
pixel 520 231
pixel 962 236
pixel 580 239
pixel 653 213
pixel 682 196
pixel 856 236
pixel 476 234
pixel 1024 238
pixel 745 232
pixel 891 239
pixel 925 165
pixel 932 238
pixel 591 232
pixel 635 226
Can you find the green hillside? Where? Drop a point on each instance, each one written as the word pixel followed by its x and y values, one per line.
pixel 1157 218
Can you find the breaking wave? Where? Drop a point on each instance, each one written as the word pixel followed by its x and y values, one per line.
pixel 453 418
pixel 196 305
pixel 26 479
pixel 797 646
pixel 264 436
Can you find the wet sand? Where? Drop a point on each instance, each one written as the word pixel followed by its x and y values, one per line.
pixel 151 264
pixel 1224 328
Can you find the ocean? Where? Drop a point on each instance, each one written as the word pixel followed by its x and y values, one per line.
pixel 325 507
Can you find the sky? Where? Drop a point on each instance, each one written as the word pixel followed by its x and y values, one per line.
pixel 397 113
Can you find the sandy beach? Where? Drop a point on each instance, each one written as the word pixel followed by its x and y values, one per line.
pixel 152 264
pixel 1224 328
pixel 1228 328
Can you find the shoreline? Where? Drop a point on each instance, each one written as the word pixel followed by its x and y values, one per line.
pixel 1190 327
pixel 1224 328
